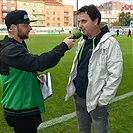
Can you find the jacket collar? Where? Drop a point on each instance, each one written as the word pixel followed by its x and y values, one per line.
pixel 7 41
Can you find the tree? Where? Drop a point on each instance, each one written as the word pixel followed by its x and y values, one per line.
pixel 116 23
pixel 124 18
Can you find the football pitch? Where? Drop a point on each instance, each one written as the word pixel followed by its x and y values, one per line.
pixel 120 120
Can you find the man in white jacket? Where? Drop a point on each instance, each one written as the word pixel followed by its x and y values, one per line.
pixel 96 72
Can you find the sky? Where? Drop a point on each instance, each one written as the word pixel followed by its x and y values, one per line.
pixel 95 2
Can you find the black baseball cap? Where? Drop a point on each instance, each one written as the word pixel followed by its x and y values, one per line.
pixel 17 17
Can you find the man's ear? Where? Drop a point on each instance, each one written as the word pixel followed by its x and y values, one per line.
pixel 10 29
pixel 96 21
pixel 13 27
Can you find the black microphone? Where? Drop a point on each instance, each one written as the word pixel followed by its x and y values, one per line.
pixel 76 35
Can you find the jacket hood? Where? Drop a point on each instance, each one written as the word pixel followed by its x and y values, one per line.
pixel 106 36
pixel 7 41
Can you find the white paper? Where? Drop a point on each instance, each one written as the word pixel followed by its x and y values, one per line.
pixel 46 87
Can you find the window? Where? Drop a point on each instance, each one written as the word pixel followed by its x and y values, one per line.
pixel 41 22
pixel 20 3
pixel 34 16
pixel 4 1
pixel 4 14
pixel 48 18
pixel 58 24
pixel 53 13
pixel 48 24
pixel 12 1
pixel 12 8
pixel 58 13
pixel 70 24
pixel 58 18
pixel 41 17
pixel 4 7
pixel 53 24
pixel 47 12
pixel 53 18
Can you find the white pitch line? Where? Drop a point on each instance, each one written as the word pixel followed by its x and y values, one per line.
pixel 122 97
pixel 56 120
pixel 71 115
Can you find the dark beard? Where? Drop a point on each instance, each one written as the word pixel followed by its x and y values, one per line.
pixel 21 35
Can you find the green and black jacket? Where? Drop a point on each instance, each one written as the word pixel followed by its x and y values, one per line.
pixel 21 93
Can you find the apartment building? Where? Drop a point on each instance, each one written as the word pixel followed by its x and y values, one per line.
pixel 52 13
pixel 49 13
pixel 35 10
pixel 57 14
pixel 110 10
pixel 68 15
pixel 5 7
pixel 128 8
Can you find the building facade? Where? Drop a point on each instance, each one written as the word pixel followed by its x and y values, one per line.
pixel 5 7
pixel 48 13
pixel 52 13
pixel 57 14
pixel 110 10
pixel 35 10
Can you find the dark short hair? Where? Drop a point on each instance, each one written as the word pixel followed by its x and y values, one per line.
pixel 92 11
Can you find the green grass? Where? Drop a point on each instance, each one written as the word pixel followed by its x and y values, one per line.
pixel 120 112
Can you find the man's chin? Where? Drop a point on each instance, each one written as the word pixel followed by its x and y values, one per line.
pixel 84 33
pixel 26 37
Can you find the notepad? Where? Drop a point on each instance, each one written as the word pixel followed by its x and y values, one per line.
pixel 46 87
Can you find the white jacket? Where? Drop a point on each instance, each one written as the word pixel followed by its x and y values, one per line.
pixel 104 72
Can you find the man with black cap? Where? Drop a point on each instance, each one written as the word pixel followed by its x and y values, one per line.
pixel 21 95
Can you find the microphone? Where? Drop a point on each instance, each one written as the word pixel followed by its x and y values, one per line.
pixel 76 35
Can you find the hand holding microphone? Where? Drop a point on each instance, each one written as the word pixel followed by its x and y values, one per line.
pixel 71 39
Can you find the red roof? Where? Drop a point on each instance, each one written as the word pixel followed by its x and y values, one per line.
pixel 39 0
pixel 53 2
